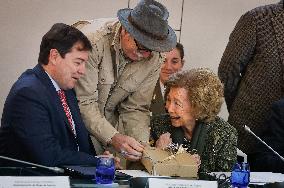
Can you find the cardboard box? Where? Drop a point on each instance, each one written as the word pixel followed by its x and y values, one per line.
pixel 159 162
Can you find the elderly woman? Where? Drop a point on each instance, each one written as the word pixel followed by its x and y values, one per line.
pixel 193 100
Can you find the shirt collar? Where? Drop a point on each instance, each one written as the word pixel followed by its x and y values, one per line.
pixel 56 86
pixel 116 39
pixel 162 86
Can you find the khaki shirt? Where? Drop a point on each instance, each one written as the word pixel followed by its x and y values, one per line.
pixel 115 94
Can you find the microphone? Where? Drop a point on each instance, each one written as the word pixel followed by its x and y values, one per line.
pixel 252 133
pixel 54 169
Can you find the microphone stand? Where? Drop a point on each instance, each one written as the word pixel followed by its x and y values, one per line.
pixel 275 152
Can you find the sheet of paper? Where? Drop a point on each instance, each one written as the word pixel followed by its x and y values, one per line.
pixel 34 181
pixel 267 177
pixel 177 183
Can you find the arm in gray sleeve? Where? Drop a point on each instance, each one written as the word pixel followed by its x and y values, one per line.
pixel 237 55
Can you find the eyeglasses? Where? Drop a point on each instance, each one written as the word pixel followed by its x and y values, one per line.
pixel 141 48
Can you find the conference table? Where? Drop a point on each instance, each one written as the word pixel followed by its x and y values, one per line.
pixel 121 182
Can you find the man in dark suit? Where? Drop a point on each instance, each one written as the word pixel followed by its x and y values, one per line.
pixel 41 121
pixel 265 159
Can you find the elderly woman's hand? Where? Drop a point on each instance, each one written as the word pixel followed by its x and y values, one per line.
pixel 197 159
pixel 164 141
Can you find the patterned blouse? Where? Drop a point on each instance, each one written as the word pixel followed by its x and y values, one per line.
pixel 215 142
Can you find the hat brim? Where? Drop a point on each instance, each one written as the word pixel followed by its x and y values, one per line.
pixel 151 43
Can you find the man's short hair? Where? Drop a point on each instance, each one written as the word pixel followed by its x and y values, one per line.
pixel 180 48
pixel 61 37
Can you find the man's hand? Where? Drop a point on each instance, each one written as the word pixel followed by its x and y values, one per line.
pixel 164 140
pixel 128 146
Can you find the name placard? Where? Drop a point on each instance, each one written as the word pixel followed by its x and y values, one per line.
pixel 34 181
pixel 178 183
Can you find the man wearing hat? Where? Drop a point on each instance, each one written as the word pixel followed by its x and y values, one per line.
pixel 123 68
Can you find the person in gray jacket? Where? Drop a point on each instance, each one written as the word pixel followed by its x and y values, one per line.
pixel 123 68
pixel 252 70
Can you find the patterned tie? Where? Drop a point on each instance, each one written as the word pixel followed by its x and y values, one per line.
pixel 66 108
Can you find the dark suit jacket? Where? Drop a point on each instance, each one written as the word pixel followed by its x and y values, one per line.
pixel 252 70
pixel 264 159
pixel 35 127
pixel 157 104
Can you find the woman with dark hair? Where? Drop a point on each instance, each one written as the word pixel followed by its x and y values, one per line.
pixel 193 100
pixel 174 61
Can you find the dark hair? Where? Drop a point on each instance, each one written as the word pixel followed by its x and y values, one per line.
pixel 179 47
pixel 61 37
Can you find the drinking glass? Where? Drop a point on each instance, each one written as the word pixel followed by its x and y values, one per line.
pixel 105 169
pixel 240 175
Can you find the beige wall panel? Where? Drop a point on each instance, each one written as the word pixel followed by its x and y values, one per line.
pixel 206 29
